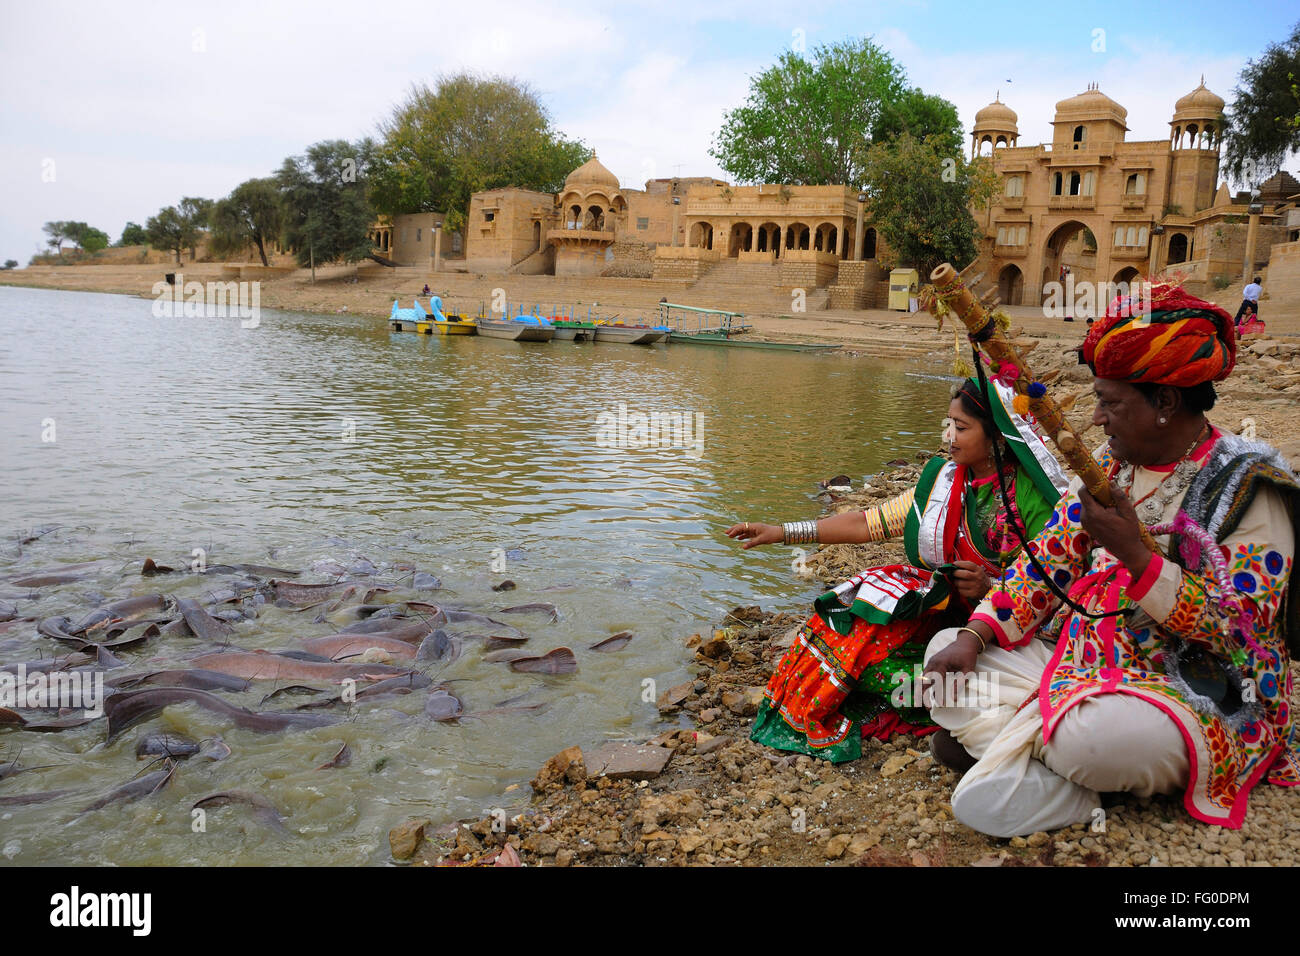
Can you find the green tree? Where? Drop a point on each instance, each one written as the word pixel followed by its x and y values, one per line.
pixel 93 240
pixel 253 214
pixel 167 231
pixel 133 235
pixel 922 114
pixel 1263 123
pixel 194 216
pixel 469 134
pixel 73 231
pixel 811 121
pixel 327 215
pixel 87 237
pixel 11 264
pixel 56 232
pixel 919 198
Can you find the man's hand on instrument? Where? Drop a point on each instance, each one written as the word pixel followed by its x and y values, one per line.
pixel 1116 529
pixel 755 534
pixel 971 581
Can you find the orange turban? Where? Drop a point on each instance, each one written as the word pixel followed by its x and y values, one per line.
pixel 1183 341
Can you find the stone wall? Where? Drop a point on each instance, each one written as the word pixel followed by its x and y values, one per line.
pixel 1282 284
pixel 683 262
pixel 855 285
pixel 1226 249
pixel 805 269
pixel 632 260
pixel 584 261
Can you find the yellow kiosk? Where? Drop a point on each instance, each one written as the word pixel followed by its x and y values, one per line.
pixel 903 286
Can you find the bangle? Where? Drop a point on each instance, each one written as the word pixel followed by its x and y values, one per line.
pixel 799 532
pixel 971 630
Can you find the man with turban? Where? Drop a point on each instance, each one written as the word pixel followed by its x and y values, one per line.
pixel 1188 687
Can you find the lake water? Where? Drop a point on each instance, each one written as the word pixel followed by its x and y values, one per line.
pixel 315 440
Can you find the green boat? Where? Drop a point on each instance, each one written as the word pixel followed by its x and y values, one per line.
pixel 709 338
pixel 573 331
pixel 692 325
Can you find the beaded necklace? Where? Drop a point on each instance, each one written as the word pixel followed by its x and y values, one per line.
pixel 1152 506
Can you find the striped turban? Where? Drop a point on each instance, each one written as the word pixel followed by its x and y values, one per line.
pixel 1182 341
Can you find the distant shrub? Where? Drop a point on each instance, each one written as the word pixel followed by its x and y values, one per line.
pixel 1221 282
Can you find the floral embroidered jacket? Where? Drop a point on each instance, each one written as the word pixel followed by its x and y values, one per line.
pixel 1230 700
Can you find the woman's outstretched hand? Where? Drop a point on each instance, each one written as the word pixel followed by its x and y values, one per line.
pixel 755 534
pixel 971 581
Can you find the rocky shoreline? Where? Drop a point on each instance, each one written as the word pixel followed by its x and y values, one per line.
pixel 704 794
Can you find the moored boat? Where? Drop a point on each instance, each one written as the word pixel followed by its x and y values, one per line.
pixel 514 330
pixel 570 331
pixel 717 338
pixel 455 325
pixel 407 320
pixel 449 324
pixel 629 334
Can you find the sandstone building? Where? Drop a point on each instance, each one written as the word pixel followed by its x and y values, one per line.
pixel 1110 210
pixel 1090 201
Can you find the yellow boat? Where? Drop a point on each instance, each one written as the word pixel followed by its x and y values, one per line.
pixel 456 325
pixel 452 324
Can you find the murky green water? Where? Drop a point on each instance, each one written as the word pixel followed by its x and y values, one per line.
pixel 317 439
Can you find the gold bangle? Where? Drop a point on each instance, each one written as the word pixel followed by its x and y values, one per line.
pixel 970 630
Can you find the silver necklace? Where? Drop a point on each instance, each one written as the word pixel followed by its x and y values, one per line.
pixel 1153 507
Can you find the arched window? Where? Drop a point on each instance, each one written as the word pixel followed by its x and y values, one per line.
pixel 1015 186
pixel 1024 235
pixel 1132 236
pixel 1119 235
pixel 1178 248
pixel 1080 134
pixel 1002 235
pixel 1142 236
pixel 1056 184
pixel 1075 182
pixel 1089 180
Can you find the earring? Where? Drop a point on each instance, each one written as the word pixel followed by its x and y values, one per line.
pixel 1163 421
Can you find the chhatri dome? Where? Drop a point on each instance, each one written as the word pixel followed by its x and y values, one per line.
pixel 1198 103
pixel 995 125
pixel 1091 104
pixel 591 173
pixel 997 115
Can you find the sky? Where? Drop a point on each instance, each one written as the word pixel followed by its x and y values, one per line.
pixel 111 111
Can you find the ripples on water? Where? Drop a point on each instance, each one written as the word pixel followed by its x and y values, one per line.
pixel 177 434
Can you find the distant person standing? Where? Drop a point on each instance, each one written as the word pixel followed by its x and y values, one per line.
pixel 1249 301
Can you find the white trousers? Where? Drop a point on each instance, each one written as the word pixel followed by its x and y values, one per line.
pixel 1020 785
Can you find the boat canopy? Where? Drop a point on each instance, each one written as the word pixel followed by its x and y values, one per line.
pixel 692 319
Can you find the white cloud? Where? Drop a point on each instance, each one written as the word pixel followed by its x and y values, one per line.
pixel 142 104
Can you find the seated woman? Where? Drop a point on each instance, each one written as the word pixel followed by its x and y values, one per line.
pixel 867 636
pixel 1189 689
